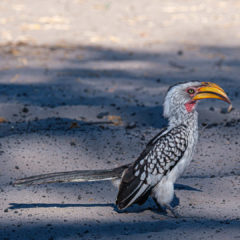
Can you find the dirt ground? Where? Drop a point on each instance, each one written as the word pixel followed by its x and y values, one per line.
pixel 81 87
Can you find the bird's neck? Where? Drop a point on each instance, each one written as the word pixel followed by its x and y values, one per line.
pixel 189 119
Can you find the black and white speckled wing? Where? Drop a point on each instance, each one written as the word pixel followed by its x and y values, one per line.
pixel 162 153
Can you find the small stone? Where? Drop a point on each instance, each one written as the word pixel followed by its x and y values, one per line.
pixel 131 125
pixel 180 52
pixel 226 110
pixel 230 108
pixel 102 114
pixel 25 110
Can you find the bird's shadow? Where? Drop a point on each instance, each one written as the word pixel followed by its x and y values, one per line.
pixel 132 209
pixel 14 206
pixel 149 205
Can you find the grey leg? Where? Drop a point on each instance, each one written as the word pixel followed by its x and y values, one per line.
pixel 166 206
pixel 171 209
pixel 159 206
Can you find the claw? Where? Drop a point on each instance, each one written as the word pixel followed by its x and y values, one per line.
pixel 172 210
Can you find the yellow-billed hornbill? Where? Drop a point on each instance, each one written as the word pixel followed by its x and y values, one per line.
pixel 163 160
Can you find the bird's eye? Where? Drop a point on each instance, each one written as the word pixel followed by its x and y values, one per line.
pixel 191 91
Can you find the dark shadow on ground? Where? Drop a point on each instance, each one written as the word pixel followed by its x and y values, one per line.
pixel 62 85
pixel 135 208
pixel 58 205
pixel 78 81
pixel 103 228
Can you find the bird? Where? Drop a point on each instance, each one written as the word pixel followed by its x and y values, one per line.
pixel 164 158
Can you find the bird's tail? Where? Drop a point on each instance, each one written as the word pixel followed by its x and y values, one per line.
pixel 73 176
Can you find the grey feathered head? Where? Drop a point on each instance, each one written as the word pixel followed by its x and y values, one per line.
pixel 183 97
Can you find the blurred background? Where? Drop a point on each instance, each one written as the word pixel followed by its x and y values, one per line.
pixel 81 86
pixel 125 24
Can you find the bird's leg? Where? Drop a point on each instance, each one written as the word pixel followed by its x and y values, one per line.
pixel 166 206
pixel 158 205
pixel 172 210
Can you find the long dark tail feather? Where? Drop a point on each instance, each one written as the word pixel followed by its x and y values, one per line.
pixel 73 176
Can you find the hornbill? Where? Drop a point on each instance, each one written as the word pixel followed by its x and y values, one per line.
pixel 163 160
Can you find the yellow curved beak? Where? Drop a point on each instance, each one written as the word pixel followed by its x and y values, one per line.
pixel 211 90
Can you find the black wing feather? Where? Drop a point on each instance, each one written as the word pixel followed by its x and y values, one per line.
pixel 165 149
pixel 131 183
pixel 151 144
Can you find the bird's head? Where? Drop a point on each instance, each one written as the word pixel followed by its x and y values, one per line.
pixel 183 97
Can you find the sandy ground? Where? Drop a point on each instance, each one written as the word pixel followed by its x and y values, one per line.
pixel 69 68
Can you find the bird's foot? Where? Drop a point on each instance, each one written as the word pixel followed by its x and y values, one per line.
pixel 166 207
pixel 173 211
